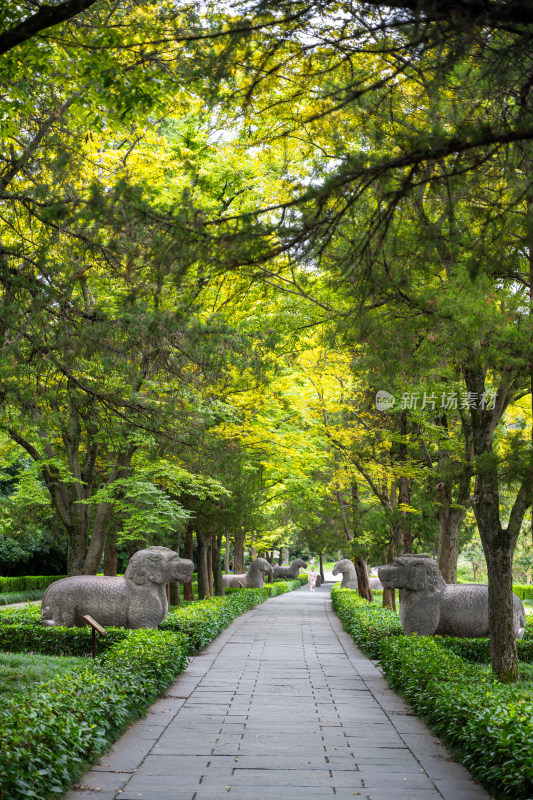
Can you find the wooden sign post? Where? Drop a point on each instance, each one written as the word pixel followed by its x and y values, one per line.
pixel 96 628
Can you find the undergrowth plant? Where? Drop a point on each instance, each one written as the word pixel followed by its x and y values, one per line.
pixel 448 681
pixel 52 732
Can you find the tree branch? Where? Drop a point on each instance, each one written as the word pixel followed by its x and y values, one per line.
pixel 46 17
pixel 520 506
pixel 478 12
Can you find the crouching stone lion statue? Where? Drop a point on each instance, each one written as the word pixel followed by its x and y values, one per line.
pixel 428 605
pixel 136 600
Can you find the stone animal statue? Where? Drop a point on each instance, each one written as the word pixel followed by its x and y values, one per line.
pixel 291 572
pixel 428 605
pixel 136 600
pixel 375 583
pixel 349 575
pixel 253 578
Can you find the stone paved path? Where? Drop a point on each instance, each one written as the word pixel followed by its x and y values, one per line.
pixel 282 705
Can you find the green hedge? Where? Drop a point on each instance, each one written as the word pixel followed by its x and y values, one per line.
pixel 27 583
pixel 522 591
pixel 367 623
pixel 204 620
pixel 282 586
pixel 478 650
pixel 489 726
pixel 49 736
pixel 8 598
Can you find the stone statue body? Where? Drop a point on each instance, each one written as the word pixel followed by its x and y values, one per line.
pixel 292 571
pixel 428 605
pixel 136 600
pixel 253 578
pixel 349 575
pixel 375 583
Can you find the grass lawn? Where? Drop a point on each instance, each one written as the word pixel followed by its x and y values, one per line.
pixel 19 671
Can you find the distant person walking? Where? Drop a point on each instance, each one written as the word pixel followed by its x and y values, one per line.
pixel 311 579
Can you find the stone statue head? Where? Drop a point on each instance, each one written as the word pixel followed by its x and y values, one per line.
pixel 158 565
pixel 344 565
pixel 415 572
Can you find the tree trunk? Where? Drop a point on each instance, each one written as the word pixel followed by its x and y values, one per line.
pixel 202 546
pixel 502 639
pixel 174 598
pixel 450 521
pixel 217 568
pixel 389 599
pixel 321 562
pixel 110 555
pixel 404 491
pixel 451 512
pixel 100 529
pixel 238 553
pixel 498 543
pixel 226 555
pixel 389 595
pixel 188 552
pixel 76 550
pixel 210 538
pixel 104 516
pixel 363 583
pixel 404 498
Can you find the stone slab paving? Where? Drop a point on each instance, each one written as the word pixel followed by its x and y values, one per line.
pixel 282 704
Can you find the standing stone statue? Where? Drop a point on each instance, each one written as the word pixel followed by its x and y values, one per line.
pixel 291 572
pixel 428 605
pixel 136 600
pixel 349 575
pixel 253 578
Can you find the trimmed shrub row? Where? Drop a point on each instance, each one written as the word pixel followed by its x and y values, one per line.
pixel 31 583
pixel 488 725
pixel 27 583
pixel 523 591
pixel 478 650
pixel 49 736
pixel 20 597
pixel 367 623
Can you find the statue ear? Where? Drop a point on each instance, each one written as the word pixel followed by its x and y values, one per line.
pixel 154 571
pixel 139 576
pixel 432 578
